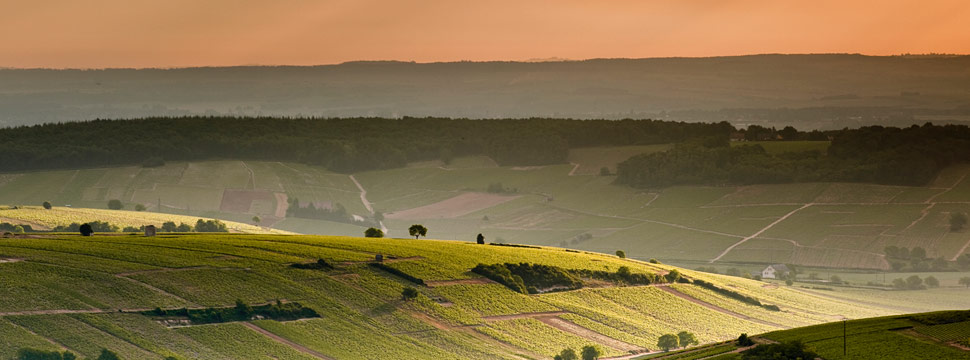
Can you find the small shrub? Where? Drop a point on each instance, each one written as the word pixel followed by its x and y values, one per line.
pixel 409 293
pixel 373 233
pixel 621 254
pixel 115 204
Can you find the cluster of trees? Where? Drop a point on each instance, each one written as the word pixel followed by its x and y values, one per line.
pixel 529 278
pixel 588 352
pixel 168 226
pixel 735 295
pixel 915 259
pixel 914 282
pixel 16 229
pixel 95 226
pixel 373 233
pixel 34 354
pixel 210 226
pixel 683 339
pixel 784 350
pixel 241 312
pixel 872 154
pixel 343 145
pixel 335 213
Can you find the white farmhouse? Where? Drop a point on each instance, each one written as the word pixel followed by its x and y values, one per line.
pixel 776 271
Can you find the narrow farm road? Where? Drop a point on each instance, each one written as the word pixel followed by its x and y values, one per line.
pixel 284 341
pixel 367 204
pixel 786 216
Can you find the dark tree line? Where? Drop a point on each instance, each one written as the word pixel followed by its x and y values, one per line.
pixel 343 145
pixel 875 154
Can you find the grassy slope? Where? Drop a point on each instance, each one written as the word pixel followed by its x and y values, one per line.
pixel 847 225
pixel 63 273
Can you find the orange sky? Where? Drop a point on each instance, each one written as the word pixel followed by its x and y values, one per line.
pixel 177 33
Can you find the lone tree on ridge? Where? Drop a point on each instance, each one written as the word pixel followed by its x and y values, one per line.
pixel 373 233
pixel 480 239
pixel 418 230
pixel 47 205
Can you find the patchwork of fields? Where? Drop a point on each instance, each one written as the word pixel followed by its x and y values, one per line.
pixel 811 224
pixel 65 292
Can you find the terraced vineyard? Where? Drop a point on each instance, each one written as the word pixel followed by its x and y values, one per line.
pixel 65 292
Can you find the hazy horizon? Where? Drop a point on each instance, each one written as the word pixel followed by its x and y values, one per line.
pixel 175 34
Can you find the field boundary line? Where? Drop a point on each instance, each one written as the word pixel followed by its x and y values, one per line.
pixel 524 315
pixel 766 228
pixel 708 305
pixel 367 204
pixel 52 341
pixel 285 341
pixel 588 334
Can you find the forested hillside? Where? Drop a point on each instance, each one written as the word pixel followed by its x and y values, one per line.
pixel 342 145
pixel 880 155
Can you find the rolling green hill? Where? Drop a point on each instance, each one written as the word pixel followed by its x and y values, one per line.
pixel 936 335
pixel 82 294
pixel 835 225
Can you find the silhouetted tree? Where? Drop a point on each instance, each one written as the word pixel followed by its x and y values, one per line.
pixel 417 230
pixel 169 226
pixel 591 352
pixel 115 204
pixel 566 354
pixel 621 254
pixel 85 230
pixel 686 339
pixel 480 239
pixel 744 340
pixel 108 355
pixel 47 205
pixel 667 342
pixel 373 233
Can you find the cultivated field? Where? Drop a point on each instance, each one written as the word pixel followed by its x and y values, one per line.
pixel 833 225
pixel 64 292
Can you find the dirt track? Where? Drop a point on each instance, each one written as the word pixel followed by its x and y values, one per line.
pixel 717 308
pixel 281 340
pixel 572 328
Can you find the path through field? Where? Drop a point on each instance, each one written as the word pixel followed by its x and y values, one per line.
pixel 760 231
pixel 570 327
pixel 284 341
pixel 708 305
pixel 367 204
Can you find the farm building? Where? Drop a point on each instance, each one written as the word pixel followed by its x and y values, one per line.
pixel 776 271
